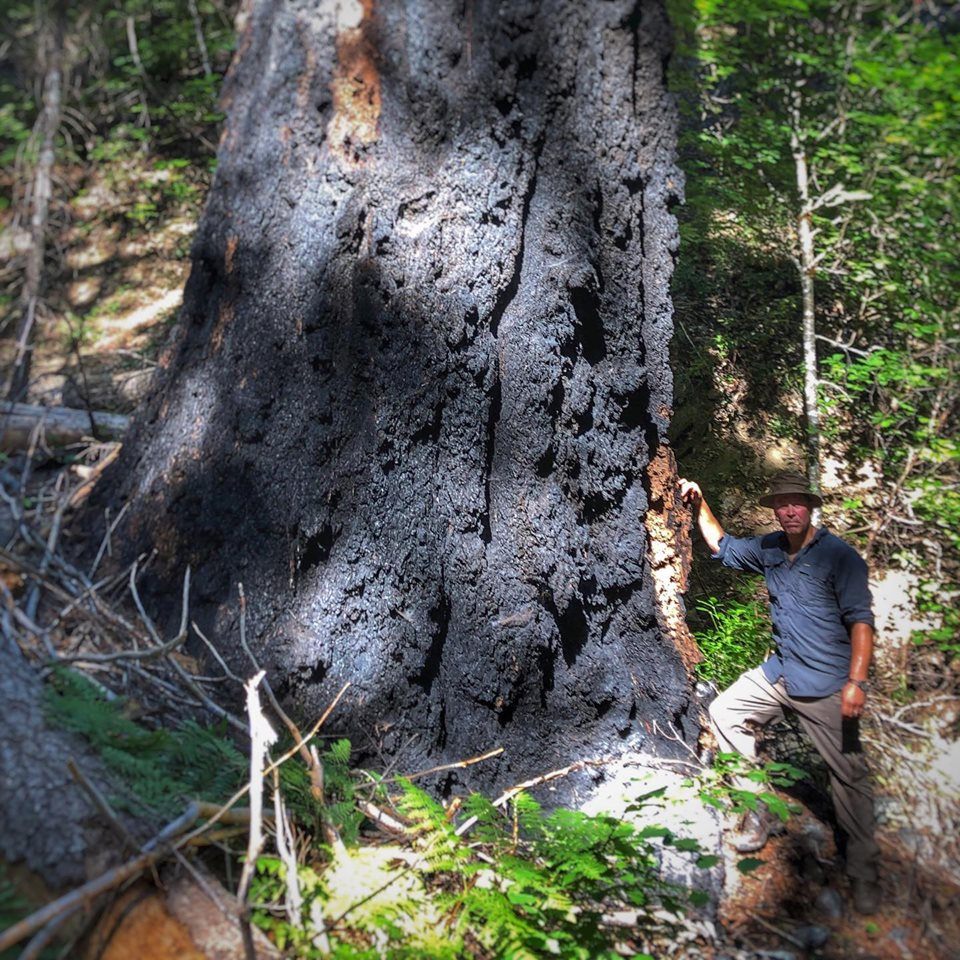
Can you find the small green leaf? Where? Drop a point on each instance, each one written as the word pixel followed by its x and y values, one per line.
pixel 749 864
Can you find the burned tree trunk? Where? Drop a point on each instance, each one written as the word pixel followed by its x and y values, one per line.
pixel 419 394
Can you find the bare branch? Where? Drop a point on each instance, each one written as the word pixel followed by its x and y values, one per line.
pixel 159 847
pixel 836 195
pixel 242 792
pixel 149 653
pixel 459 764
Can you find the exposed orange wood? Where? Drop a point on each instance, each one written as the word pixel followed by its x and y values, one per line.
pixel 139 925
pixel 305 81
pixel 356 90
pixel 668 528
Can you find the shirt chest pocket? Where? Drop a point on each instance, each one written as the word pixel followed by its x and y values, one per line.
pixel 814 583
pixel 773 571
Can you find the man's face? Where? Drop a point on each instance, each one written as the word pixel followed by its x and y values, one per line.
pixel 792 511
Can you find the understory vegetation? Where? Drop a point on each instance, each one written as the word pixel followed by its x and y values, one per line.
pixel 477 877
pixel 842 116
pixel 836 116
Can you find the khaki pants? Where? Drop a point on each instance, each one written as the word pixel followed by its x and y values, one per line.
pixel 753 699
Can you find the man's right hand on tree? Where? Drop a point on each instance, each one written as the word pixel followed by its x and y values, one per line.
pixel 709 526
pixel 690 492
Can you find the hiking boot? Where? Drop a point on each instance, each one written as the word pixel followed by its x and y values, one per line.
pixel 866 896
pixel 757 827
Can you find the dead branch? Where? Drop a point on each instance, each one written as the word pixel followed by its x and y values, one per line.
pixel 457 765
pixel 223 666
pixel 308 759
pixel 293 899
pixel 159 847
pixel 534 782
pixel 185 677
pixel 51 52
pixel 45 937
pixel 150 653
pixel 89 476
pixel 262 736
pixel 779 932
pixel 101 803
pixel 201 40
pixel 102 615
pixel 242 792
pixel 105 542
pixel 381 818
pixel 234 816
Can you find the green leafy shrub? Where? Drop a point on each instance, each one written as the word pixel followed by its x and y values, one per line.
pixel 718 788
pixel 931 600
pixel 738 639
pixel 14 127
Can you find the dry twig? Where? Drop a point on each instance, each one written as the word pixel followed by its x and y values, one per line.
pixel 150 653
pixel 308 759
pixel 221 811
pixel 457 765
pixel 506 797
pixel 262 736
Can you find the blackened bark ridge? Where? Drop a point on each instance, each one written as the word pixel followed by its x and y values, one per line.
pixel 420 372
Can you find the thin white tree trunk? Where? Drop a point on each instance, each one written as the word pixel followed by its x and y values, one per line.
pixel 19 376
pixel 807 268
pixel 201 40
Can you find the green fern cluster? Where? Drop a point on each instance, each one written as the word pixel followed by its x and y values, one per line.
pixel 553 877
pixel 158 769
pixel 339 808
pixel 522 883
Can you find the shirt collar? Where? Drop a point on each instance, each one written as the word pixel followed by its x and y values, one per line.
pixel 783 544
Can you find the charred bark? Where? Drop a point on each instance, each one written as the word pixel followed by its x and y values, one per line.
pixel 420 374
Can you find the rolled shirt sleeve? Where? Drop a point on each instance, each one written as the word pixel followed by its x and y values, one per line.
pixel 850 581
pixel 741 553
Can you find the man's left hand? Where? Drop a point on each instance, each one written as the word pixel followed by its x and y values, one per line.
pixel 852 700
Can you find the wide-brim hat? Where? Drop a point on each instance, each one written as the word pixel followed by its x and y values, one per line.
pixel 791 482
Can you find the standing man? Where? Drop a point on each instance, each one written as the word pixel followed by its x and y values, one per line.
pixel 823 636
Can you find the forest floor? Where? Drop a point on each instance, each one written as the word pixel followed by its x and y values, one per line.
pixel 115 302
pixel 799 897
pixel 117 295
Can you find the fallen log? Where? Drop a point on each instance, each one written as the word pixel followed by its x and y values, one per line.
pixel 61 425
pixel 190 917
pixel 56 835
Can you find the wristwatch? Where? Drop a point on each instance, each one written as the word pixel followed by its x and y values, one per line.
pixel 864 685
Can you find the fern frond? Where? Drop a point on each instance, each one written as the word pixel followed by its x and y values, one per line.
pixel 159 769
